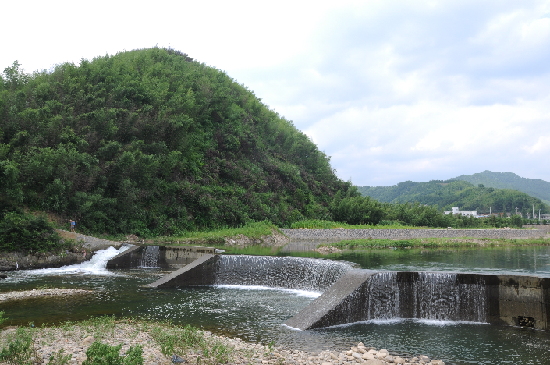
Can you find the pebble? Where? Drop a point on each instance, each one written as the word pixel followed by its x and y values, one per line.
pixel 76 340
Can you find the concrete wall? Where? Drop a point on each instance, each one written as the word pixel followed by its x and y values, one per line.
pixel 346 234
pixel 170 257
pixel 498 299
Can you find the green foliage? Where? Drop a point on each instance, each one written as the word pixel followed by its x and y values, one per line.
pixel 455 193
pixel 103 354
pixel 507 180
pixel 370 243
pixel 2 318
pixel 20 348
pixel 59 358
pixel 253 230
pixel 355 209
pixel 178 340
pixel 26 232
pixel 153 143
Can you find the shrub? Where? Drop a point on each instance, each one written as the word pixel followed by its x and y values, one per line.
pixel 103 354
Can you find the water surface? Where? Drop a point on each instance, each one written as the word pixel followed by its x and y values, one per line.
pixel 256 313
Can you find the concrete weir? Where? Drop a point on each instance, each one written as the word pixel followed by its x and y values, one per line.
pixel 274 272
pixel 362 295
pixel 164 257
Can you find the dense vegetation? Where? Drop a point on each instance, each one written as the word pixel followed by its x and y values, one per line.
pixel 455 193
pixel 21 231
pixel 508 180
pixel 152 142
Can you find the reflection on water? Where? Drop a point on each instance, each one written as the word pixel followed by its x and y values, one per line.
pixel 256 313
pixel 505 260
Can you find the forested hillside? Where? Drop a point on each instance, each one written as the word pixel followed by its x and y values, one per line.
pixel 508 180
pixel 153 142
pixel 455 193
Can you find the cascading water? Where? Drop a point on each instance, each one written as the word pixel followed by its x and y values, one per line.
pixel 95 266
pixel 383 299
pixel 425 296
pixel 439 296
pixel 279 272
pixel 150 257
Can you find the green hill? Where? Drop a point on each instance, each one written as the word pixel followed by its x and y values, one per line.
pixel 508 180
pixel 153 142
pixel 456 193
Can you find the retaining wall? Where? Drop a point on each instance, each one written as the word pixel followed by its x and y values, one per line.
pixel 346 234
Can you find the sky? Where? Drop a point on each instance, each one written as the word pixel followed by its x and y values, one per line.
pixel 391 90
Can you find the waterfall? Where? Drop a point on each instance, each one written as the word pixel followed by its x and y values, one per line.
pixel 149 257
pixel 279 272
pixel 424 295
pixel 384 296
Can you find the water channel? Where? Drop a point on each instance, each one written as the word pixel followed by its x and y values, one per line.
pixel 256 313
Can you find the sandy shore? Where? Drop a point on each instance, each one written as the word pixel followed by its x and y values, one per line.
pixel 74 340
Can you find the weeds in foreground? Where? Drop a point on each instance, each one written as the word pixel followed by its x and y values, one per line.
pixel 103 354
pixel 20 348
pixel 59 358
pixel 178 340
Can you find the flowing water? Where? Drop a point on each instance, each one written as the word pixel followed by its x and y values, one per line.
pixel 256 312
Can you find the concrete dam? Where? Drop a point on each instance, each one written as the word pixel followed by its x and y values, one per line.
pixel 352 295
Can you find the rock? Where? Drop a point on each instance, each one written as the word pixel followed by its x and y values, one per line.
pixel 368 356
pixel 374 362
pixel 177 359
pixel 88 341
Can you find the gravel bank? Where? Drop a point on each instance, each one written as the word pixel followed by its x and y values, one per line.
pixel 74 340
pixel 18 295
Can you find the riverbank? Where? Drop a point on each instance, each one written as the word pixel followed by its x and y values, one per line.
pixel 163 343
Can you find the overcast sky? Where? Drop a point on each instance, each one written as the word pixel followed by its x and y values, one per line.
pixel 391 90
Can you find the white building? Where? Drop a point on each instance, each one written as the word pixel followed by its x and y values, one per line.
pixel 455 210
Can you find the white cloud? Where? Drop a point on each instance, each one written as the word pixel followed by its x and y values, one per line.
pixel 393 91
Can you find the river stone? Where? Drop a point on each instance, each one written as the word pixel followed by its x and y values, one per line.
pixel 368 356
pixel 398 360
pixel 374 362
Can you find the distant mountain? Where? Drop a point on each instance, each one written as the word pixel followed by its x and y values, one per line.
pixel 508 180
pixel 457 193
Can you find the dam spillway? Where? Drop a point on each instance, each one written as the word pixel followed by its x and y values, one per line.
pixel 276 272
pixel 363 295
pixel 353 295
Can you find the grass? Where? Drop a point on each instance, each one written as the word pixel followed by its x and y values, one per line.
pixel 19 347
pixel 255 230
pixel 436 243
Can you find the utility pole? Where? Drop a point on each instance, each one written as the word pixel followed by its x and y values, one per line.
pixel 516 210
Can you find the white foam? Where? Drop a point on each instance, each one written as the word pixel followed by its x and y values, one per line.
pixel 391 321
pixel 297 292
pixel 95 266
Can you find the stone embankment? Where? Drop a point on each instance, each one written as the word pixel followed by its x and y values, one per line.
pixel 348 234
